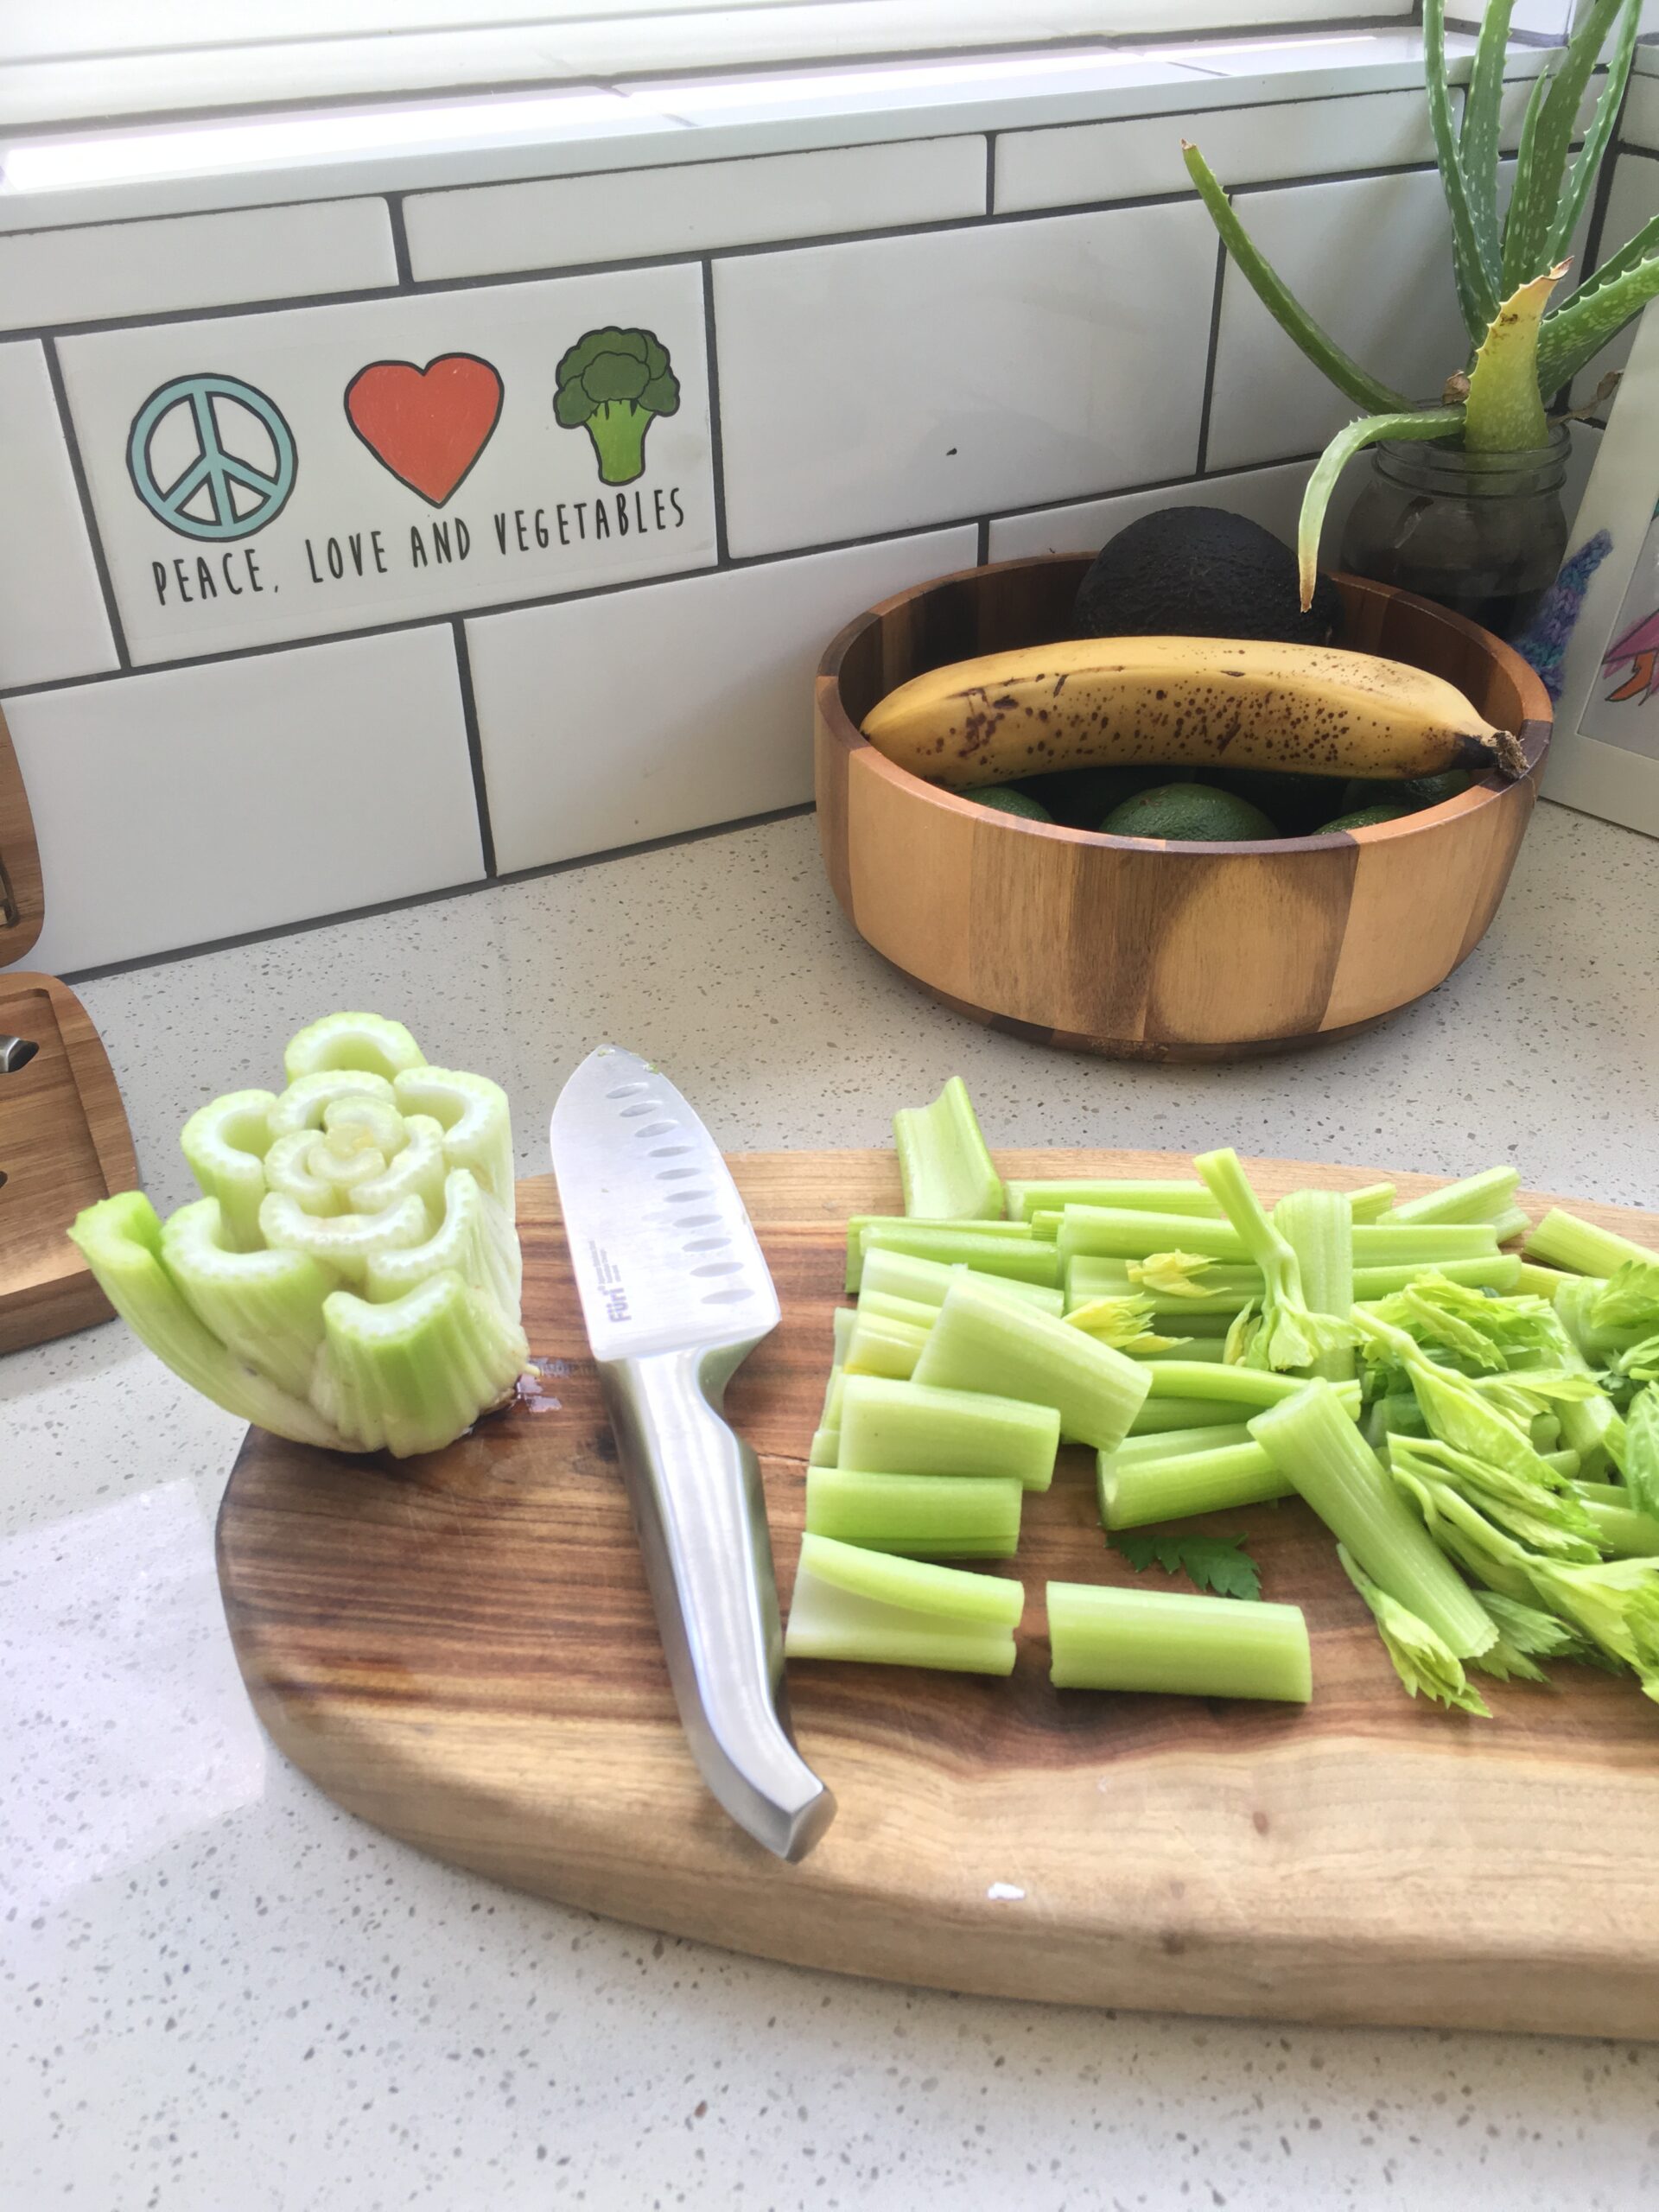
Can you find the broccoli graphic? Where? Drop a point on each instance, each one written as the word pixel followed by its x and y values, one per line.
pixel 612 383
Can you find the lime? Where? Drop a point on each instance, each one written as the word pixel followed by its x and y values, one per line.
pixel 1189 813
pixel 1008 798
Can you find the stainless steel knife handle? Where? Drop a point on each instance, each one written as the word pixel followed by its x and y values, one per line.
pixel 695 1488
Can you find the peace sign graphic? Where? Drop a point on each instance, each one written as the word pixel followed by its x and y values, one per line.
pixel 218 493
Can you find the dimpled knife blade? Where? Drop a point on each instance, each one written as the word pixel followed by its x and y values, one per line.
pixel 676 1293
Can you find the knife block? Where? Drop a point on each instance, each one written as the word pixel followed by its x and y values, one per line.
pixel 64 1139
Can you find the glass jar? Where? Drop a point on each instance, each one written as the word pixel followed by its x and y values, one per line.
pixel 1482 533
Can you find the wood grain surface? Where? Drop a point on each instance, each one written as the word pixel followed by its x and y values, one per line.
pixel 22 907
pixel 1135 947
pixel 64 1143
pixel 461 1649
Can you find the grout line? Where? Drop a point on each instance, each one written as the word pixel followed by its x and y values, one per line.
pixel 716 434
pixel 77 468
pixel 982 547
pixel 734 564
pixel 399 240
pixel 209 945
pixel 990 172
pixel 475 746
pixel 422 288
pixel 1210 356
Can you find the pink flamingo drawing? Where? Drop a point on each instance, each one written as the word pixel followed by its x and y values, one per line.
pixel 1640 647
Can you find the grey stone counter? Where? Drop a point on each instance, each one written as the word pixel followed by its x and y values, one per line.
pixel 221 1994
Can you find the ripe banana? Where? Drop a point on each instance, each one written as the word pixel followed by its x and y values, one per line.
pixel 1181 702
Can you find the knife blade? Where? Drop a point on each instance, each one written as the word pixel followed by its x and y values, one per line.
pixel 676 1293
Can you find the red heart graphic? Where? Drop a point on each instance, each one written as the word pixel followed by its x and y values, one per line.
pixel 428 425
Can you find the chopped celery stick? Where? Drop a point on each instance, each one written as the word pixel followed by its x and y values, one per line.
pixel 1159 1416
pixel 1541 1282
pixel 944 1162
pixel 1205 1351
pixel 885 1305
pixel 841 1322
pixel 1641 1450
pixel 1133 1492
pixel 1515 1222
pixel 1178 1443
pixel 1499 1271
pixel 852 1604
pixel 1233 1387
pixel 1623 1530
pixel 1476 1197
pixel 824 1451
pixel 1405 1244
pixel 1290 1333
pixel 1421 1659
pixel 902 1428
pixel 1565 1462
pixel 1312 1438
pixel 995 1248
pixel 368 1041
pixel 957 1516
pixel 1318 1227
pixel 1124 1233
pixel 903 1275
pixel 881 1347
pixel 1103 1639
pixel 1213 1288
pixel 1562 1240
pixel 1371 1202
pixel 981 1342
pixel 1182 1196
pixel 1046 1225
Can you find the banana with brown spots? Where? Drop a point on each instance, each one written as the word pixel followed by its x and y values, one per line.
pixel 1183 703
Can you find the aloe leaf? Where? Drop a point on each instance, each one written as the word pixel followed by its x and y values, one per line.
pixel 1553 137
pixel 1632 252
pixel 1504 412
pixel 1477 142
pixel 1599 136
pixel 1358 384
pixel 1578 334
pixel 1515 225
pixel 1352 438
pixel 1474 274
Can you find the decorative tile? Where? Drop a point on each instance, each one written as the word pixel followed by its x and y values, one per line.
pixel 630 214
pixel 1087 162
pixel 301 473
pixel 52 617
pixel 1272 497
pixel 643 713
pixel 97 271
pixel 1372 260
pixel 199 803
pixel 897 382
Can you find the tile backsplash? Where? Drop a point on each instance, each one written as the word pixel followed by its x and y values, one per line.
pixel 331 591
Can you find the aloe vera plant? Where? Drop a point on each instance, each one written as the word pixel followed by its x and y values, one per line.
pixel 1522 351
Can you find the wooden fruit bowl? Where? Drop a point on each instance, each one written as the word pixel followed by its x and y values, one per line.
pixel 1132 946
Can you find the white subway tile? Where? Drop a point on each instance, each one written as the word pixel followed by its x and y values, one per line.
pixel 898 382
pixel 1319 60
pixel 1087 162
pixel 1272 497
pixel 200 803
pixel 1639 124
pixel 104 270
pixel 635 215
pixel 643 713
pixel 451 437
pixel 52 618
pixel 1372 260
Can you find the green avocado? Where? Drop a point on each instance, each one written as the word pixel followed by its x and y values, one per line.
pixel 1078 797
pixel 1008 798
pixel 1415 790
pixel 1385 810
pixel 1188 813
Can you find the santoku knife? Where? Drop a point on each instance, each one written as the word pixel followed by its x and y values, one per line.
pixel 675 1294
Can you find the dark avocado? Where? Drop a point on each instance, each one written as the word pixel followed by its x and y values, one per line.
pixel 1078 797
pixel 1008 798
pixel 1201 572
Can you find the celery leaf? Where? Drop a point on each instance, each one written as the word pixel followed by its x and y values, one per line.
pixel 1217 1563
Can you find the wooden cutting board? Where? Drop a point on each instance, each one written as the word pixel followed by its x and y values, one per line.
pixel 460 1651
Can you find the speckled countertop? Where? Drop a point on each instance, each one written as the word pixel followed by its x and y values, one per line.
pixel 218 1993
